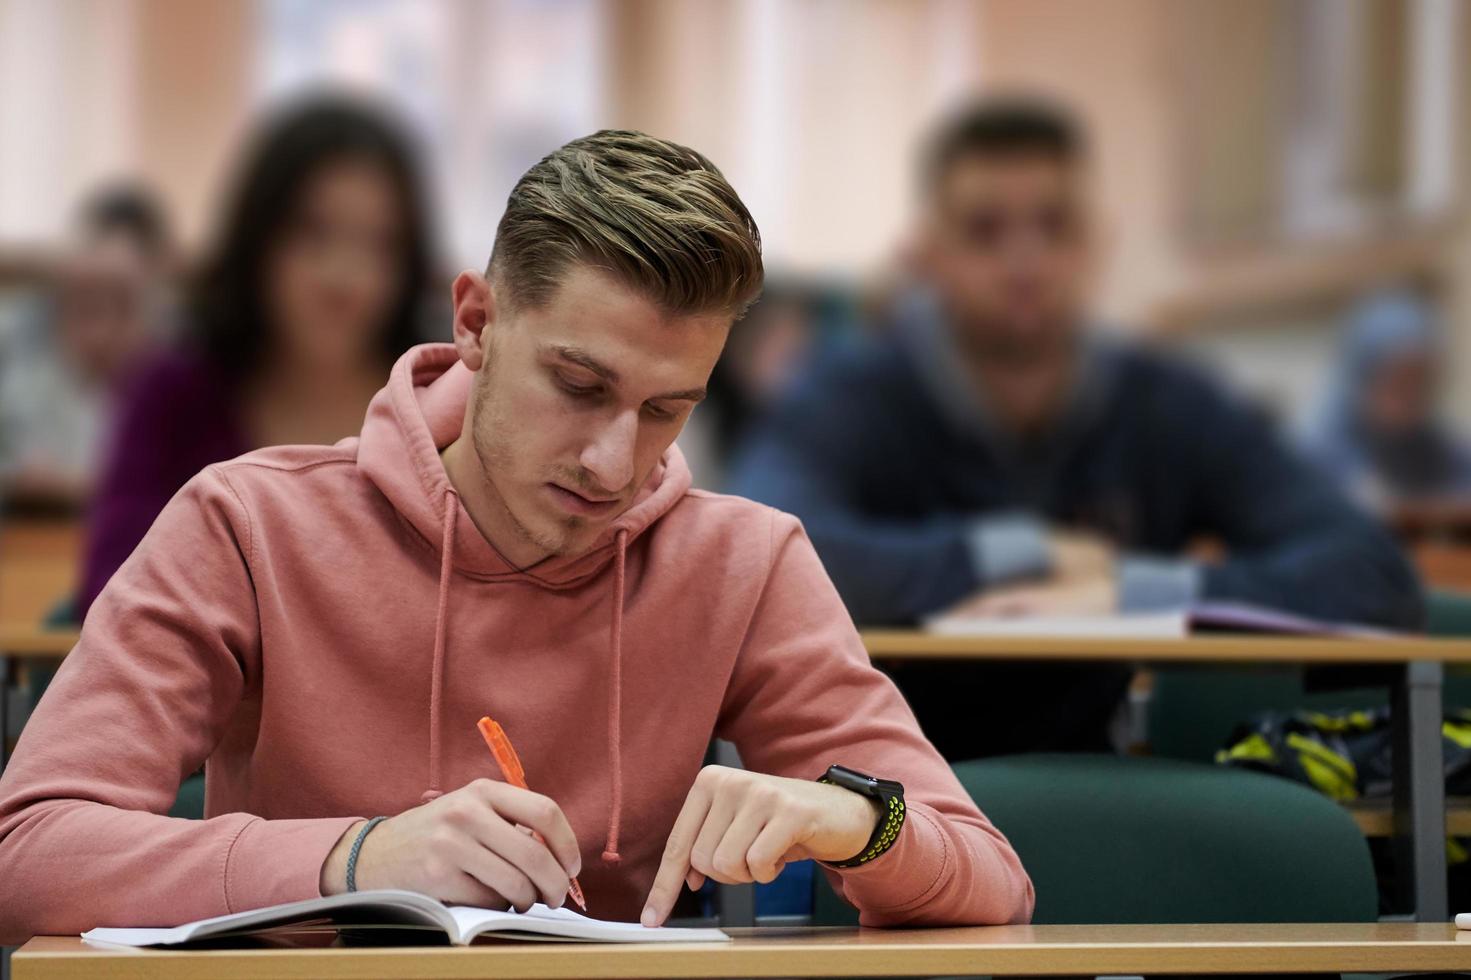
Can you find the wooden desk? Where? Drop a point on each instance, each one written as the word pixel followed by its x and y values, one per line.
pixel 1443 564
pixel 1016 950
pixel 39 562
pixel 1417 819
pixel 1446 519
pixel 29 642
pixel 1437 535
pixel 20 642
pixel 1375 818
pixel 1208 649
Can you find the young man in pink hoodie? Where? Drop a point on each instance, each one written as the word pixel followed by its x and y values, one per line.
pixel 513 534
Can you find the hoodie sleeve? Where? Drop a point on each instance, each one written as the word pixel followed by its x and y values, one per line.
pixel 803 695
pixel 168 652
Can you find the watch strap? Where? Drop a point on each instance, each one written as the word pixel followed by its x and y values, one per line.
pixel 890 822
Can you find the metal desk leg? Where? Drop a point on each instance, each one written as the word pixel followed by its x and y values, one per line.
pixel 735 905
pixel 1419 792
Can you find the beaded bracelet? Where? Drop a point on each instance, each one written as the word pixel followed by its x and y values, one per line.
pixel 352 856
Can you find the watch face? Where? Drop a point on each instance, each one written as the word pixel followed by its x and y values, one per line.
pixel 852 779
pixel 860 782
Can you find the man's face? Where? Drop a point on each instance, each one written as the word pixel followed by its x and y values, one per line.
pixel 104 304
pixel 335 273
pixel 1399 396
pixel 574 402
pixel 1006 246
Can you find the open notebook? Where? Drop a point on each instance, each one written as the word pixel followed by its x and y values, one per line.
pixel 1204 617
pixel 392 908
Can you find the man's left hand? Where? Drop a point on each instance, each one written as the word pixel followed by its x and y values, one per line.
pixel 739 827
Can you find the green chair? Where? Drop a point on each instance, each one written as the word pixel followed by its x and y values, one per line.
pixel 1192 711
pixel 1112 839
pixel 1447 613
pixel 1119 840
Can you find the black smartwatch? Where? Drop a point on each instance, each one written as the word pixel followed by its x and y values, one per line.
pixel 890 797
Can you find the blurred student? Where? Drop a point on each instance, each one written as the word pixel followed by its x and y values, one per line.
pixel 313 288
pixel 63 359
pixel 760 361
pixel 1377 431
pixel 993 455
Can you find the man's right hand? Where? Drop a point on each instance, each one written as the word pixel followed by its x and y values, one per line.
pixel 469 847
pixel 1082 582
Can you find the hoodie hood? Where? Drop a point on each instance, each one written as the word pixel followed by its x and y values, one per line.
pixel 417 414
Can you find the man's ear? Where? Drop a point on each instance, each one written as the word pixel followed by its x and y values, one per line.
pixel 474 311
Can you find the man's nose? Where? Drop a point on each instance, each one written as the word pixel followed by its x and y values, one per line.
pixel 608 456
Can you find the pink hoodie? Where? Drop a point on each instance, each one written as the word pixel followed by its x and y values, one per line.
pixel 324 625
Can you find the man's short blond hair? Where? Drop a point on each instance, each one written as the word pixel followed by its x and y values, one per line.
pixel 658 216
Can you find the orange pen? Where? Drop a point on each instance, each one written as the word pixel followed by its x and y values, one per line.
pixel 510 763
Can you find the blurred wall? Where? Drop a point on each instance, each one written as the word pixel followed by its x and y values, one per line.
pixel 813 108
pixel 91 89
pixel 67 95
pixel 193 99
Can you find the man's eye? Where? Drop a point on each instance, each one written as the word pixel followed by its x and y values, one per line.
pixel 660 414
pixel 581 391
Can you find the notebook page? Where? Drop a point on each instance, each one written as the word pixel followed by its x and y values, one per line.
pixel 1127 626
pixel 567 924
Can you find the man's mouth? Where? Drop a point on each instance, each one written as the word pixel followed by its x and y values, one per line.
pixel 576 502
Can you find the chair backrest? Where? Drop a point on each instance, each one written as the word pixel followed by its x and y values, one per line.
pixel 1110 839
pixel 1447 613
pixel 1192 711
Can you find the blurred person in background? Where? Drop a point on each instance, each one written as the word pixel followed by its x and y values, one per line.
pixel 993 455
pixel 314 286
pixel 1377 430
pixel 62 359
pixel 761 359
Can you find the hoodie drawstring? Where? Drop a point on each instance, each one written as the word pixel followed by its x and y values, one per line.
pixel 615 703
pixel 436 677
pixel 615 686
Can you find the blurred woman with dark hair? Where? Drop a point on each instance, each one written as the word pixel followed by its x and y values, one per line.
pixel 313 287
